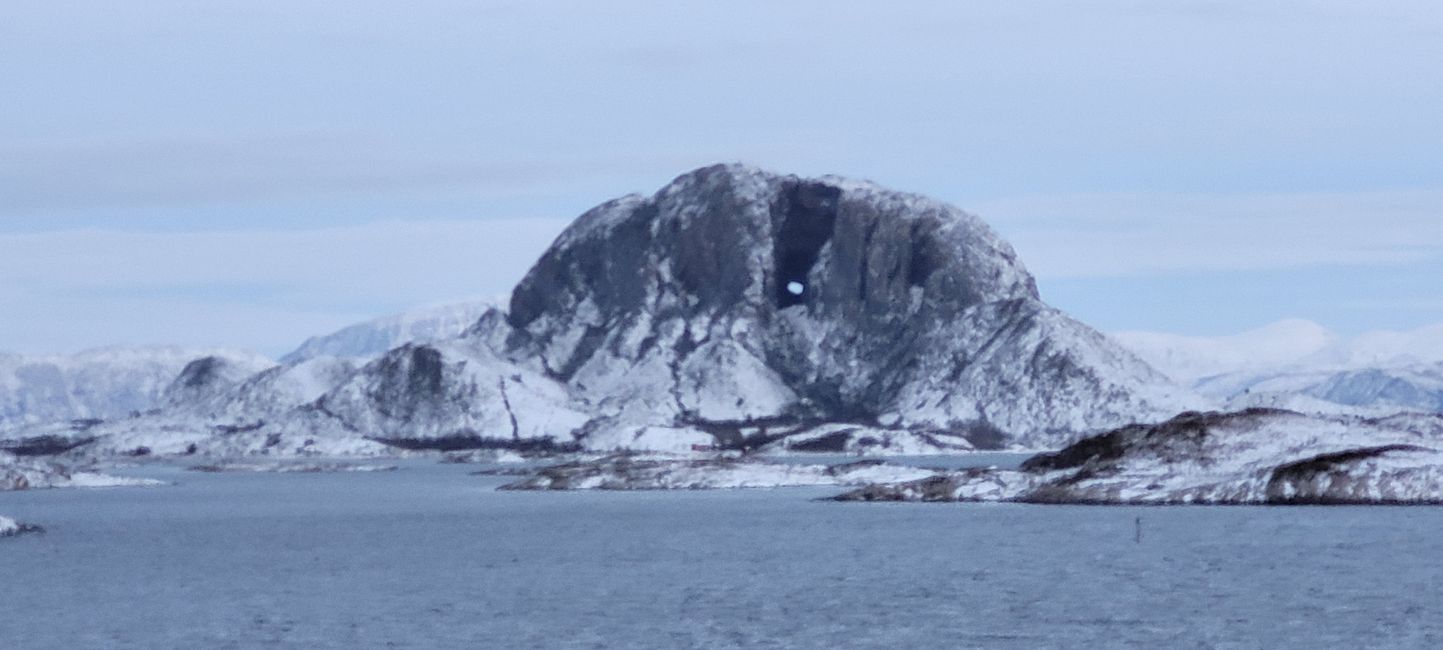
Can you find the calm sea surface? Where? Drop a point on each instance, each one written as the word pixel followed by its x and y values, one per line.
pixel 430 557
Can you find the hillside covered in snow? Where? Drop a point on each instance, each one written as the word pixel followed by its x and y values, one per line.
pixel 1258 456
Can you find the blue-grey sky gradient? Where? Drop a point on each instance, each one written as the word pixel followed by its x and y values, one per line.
pixel 249 173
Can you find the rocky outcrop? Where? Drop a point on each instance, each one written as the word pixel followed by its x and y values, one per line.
pixel 625 472
pixel 1258 456
pixel 28 474
pixel 10 528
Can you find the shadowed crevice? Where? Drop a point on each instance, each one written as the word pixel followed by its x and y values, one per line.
pixel 808 220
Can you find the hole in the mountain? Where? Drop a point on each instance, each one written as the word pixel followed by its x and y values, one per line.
pixel 809 215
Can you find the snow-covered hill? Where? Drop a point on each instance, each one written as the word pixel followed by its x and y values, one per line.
pixel 374 337
pixel 103 383
pixel 1260 456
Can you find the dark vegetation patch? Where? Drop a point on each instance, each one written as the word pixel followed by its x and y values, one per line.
pixel 232 429
pixel 1106 446
pixel 200 372
pixel 750 435
pixel 1189 427
pixel 830 443
pixel 983 435
pixel 43 445
pixel 1305 470
pixel 463 441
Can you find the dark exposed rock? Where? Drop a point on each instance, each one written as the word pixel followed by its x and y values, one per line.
pixel 204 379
pixel 20 529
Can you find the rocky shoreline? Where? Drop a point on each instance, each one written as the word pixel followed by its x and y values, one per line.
pixel 626 472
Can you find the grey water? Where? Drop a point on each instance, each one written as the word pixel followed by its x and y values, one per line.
pixel 432 557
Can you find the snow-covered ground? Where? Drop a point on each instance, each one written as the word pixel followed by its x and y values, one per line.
pixel 291 467
pixel 623 472
pixel 23 474
pixel 1260 456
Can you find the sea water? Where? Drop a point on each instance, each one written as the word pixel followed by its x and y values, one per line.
pixel 431 557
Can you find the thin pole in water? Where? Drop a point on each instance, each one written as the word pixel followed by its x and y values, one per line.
pixel 1137 530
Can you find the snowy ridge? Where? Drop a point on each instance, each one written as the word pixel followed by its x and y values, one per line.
pixel 372 338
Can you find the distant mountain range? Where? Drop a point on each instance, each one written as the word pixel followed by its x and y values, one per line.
pixel 98 384
pixel 1300 365
pixel 116 382
pixel 734 308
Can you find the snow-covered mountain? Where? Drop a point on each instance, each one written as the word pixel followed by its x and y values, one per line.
pixel 103 383
pixel 1188 359
pixel 1302 366
pixel 737 306
pixel 374 337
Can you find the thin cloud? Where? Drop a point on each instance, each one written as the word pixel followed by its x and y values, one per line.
pixel 261 289
pixel 1125 234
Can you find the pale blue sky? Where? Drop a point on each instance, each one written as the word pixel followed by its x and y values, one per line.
pixel 249 173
